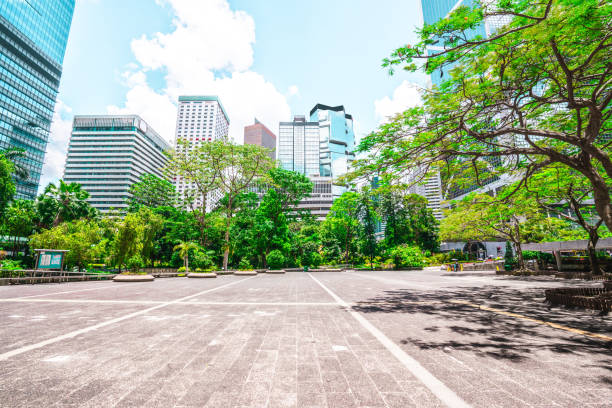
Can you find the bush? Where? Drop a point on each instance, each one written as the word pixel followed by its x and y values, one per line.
pixel 275 259
pixel 406 256
pixel 181 269
pixel 134 263
pixel 11 264
pixel 509 261
pixel 244 265
pixel 201 259
pixel 540 256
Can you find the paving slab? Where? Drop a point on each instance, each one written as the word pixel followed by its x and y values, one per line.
pixel 287 341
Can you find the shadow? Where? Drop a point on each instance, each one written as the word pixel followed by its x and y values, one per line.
pixel 487 333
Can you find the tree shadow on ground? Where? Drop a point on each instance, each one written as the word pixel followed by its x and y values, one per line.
pixel 486 333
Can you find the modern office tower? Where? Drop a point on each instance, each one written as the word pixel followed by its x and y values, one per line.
pixel 258 134
pixel 319 202
pixel 107 154
pixel 200 119
pixel 299 146
pixel 336 142
pixel 33 37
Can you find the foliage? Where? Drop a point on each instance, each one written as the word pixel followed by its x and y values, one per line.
pixel 290 186
pixel 82 238
pixel 19 222
pixel 366 212
pixel 407 219
pixel 151 191
pixel 134 263
pixel 406 256
pixel 7 184
pixel 275 259
pixel 64 202
pixel 535 93
pixel 183 249
pixel 245 265
pixel 542 256
pixel 10 264
pixel 342 221
pixel 509 260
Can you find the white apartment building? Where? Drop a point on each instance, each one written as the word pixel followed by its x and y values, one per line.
pixel 200 119
pixel 107 154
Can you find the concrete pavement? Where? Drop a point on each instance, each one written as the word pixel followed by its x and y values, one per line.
pixel 358 339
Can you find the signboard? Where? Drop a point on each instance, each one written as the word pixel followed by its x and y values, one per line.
pixel 50 259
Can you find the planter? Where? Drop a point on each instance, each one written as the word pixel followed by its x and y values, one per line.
pixel 224 272
pixel 325 270
pixel 133 278
pixel 245 273
pixel 275 271
pixel 201 275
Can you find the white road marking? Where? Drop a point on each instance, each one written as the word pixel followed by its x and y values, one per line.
pixel 437 387
pixel 68 291
pixel 12 353
pixel 159 302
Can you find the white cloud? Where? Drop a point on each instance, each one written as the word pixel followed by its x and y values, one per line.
pixel 293 90
pixel 55 158
pixel 209 52
pixel 405 96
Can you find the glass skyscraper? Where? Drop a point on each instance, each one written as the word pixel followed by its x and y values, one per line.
pixel 33 37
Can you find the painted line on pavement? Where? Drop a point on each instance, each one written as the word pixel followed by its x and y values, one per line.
pixel 437 387
pixel 396 281
pixel 157 302
pixel 531 319
pixel 68 291
pixel 12 353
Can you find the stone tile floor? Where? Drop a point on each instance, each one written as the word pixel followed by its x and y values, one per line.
pixel 351 339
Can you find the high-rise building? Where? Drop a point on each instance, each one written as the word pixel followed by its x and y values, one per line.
pixel 200 119
pixel 299 146
pixel 107 154
pixel 33 37
pixel 258 134
pixel 336 142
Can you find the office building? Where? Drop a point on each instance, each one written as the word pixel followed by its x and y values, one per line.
pixel 258 134
pixel 200 119
pixel 336 142
pixel 107 154
pixel 33 37
pixel 298 146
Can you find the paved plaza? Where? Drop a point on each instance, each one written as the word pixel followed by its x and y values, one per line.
pixel 352 339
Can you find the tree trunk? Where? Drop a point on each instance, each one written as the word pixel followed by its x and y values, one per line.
pixel 593 238
pixel 187 263
pixel 517 247
pixel 346 252
pixel 228 224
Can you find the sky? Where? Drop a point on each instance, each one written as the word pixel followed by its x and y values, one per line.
pixel 267 59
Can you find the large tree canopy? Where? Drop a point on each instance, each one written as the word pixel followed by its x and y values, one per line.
pixel 533 93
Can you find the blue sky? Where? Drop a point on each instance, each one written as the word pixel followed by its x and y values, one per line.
pixel 270 59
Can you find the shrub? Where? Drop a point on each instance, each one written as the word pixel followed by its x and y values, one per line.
pixel 134 263
pixel 10 264
pixel 509 260
pixel 275 259
pixel 244 265
pixel 181 269
pixel 202 259
pixel 406 256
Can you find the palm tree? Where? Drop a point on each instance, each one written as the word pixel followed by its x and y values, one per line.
pixel 70 200
pixel 13 155
pixel 184 248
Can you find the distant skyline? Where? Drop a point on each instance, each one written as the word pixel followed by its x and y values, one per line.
pixel 269 60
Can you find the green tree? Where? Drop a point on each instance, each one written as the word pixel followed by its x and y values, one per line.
pixel 237 168
pixel 7 184
pixel 151 191
pixel 565 193
pixel 482 217
pixel 64 202
pixel 291 187
pixel 183 250
pixel 271 226
pixel 342 220
pixel 407 219
pixel 366 211
pixel 82 238
pixel 536 92
pixel 19 222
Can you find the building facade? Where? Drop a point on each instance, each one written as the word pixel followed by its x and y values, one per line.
pixel 258 134
pixel 33 37
pixel 200 119
pixel 336 142
pixel 107 154
pixel 299 146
